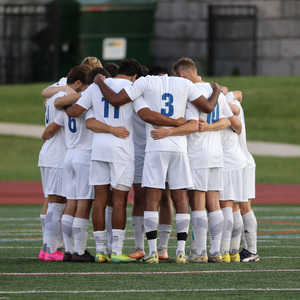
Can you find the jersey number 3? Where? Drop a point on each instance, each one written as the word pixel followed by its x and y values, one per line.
pixel 169 110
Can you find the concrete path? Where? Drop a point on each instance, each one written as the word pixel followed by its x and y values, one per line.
pixel 255 148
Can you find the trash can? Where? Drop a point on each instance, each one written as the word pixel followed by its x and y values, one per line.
pixel 117 30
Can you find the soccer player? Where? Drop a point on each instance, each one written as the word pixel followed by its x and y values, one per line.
pixel 206 160
pixel 243 214
pixel 165 158
pixel 233 191
pixel 113 158
pixel 166 204
pixel 51 159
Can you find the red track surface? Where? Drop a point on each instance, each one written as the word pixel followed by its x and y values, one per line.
pixel 31 193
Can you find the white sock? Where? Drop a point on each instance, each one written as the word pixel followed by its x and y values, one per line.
pixel 67 232
pixel 53 225
pixel 183 224
pixel 151 225
pixel 164 235
pixel 215 225
pixel 227 229
pixel 108 223
pixel 42 217
pixel 139 231
pixel 200 227
pixel 81 232
pixel 118 236
pixel 100 240
pixel 250 230
pixel 236 232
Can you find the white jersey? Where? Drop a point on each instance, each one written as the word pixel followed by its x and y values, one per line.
pixel 61 82
pixel 234 157
pixel 76 134
pixel 205 148
pixel 53 150
pixel 242 136
pixel 168 96
pixel 106 147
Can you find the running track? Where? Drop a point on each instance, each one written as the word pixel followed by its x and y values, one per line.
pixel 22 192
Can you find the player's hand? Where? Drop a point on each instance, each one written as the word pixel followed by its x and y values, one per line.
pixel 159 133
pixel 203 125
pixel 215 86
pixel 98 78
pixel 120 132
pixel 180 121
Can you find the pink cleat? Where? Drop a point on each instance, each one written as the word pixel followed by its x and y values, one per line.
pixel 42 255
pixel 55 256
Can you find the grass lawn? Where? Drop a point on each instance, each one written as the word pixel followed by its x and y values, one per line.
pixel 23 276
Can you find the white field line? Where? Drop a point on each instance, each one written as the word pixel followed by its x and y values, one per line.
pixel 148 273
pixel 150 291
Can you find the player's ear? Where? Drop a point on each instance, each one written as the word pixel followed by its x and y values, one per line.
pixel 133 78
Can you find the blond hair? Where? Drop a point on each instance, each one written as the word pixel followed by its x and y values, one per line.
pixel 184 63
pixel 92 61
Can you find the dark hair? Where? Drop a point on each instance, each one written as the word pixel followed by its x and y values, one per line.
pixel 158 69
pixel 92 74
pixel 130 67
pixel 78 73
pixel 144 71
pixel 112 69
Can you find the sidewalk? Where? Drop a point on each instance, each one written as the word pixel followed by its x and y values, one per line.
pixel 255 148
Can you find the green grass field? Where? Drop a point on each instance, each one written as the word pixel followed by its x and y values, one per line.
pixel 23 276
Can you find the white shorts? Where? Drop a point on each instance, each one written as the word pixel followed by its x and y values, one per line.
pixel 138 167
pixel 207 179
pixel 249 182
pixel 102 173
pixel 171 167
pixel 52 181
pixel 233 186
pixel 76 175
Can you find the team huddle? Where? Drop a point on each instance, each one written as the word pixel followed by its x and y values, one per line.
pixel 177 140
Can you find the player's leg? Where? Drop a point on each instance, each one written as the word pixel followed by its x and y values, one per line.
pixel 67 228
pixel 80 231
pixel 42 218
pixel 215 225
pixel 250 232
pixel 108 222
pixel 236 233
pixel 165 223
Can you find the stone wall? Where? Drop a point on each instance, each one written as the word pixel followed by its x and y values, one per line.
pixel 181 30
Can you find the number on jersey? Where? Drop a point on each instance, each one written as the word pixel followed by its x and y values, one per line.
pixel 106 109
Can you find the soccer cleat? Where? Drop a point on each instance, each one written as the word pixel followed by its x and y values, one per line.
pixel 247 256
pixel 55 256
pixel 102 258
pixel 226 257
pixel 42 255
pixel 181 259
pixel 85 257
pixel 193 257
pixel 122 258
pixel 235 257
pixel 137 254
pixel 216 257
pixel 163 254
pixel 150 259
pixel 67 256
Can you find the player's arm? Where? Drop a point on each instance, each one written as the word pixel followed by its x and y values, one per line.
pixel 207 105
pixel 67 100
pixel 50 131
pixel 236 125
pixel 187 128
pixel 238 95
pixel 99 127
pixel 155 118
pixel 224 89
pixel 51 90
pixel 74 111
pixel 219 125
pixel 109 95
